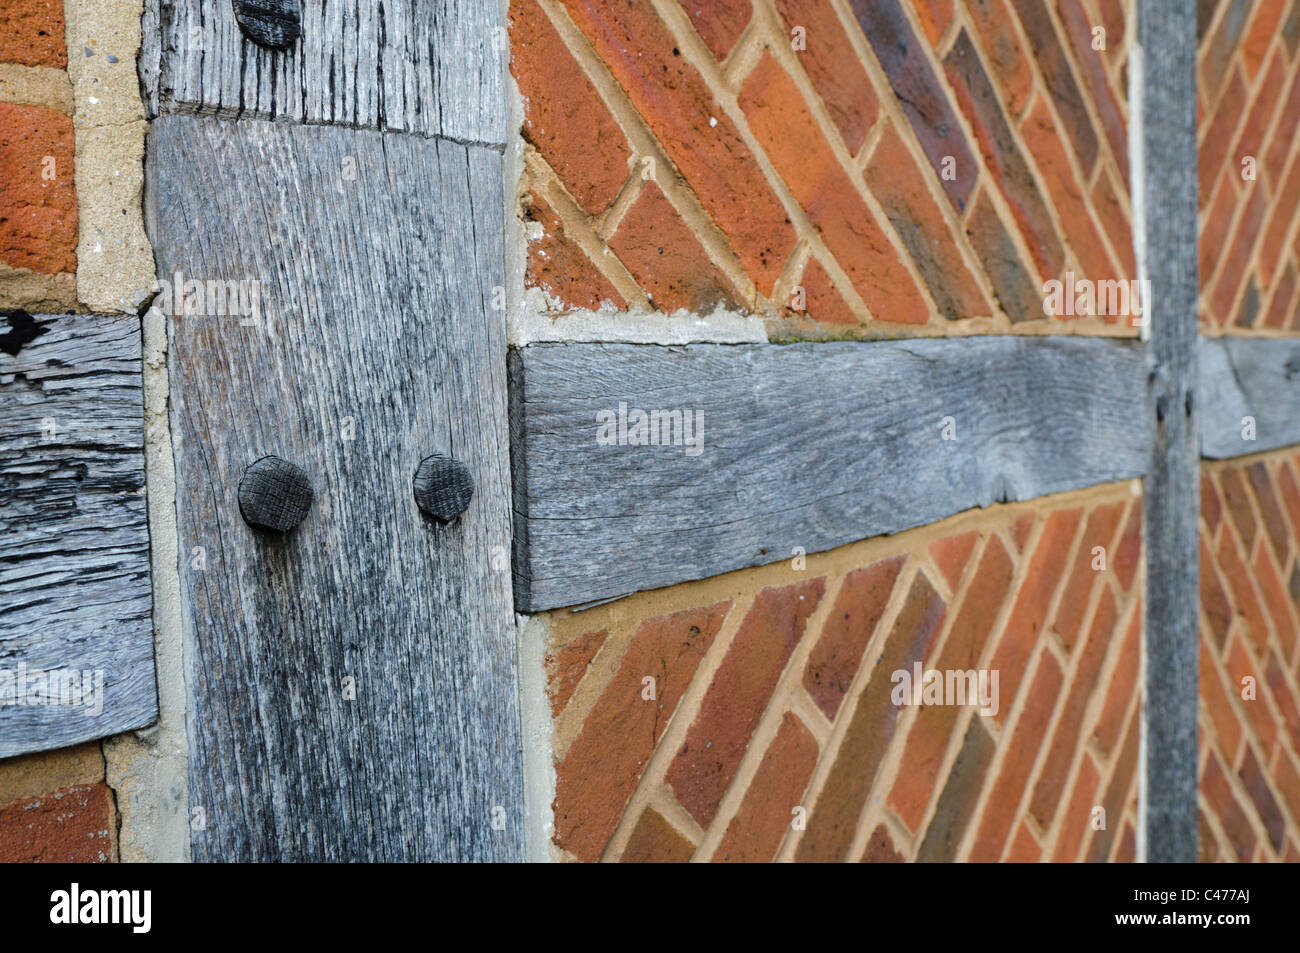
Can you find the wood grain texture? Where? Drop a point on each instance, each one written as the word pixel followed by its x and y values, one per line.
pixel 74 540
pixel 434 67
pixel 375 320
pixel 1171 499
pixel 1244 378
pixel 805 445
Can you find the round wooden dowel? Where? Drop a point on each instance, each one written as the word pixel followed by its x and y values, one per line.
pixel 275 24
pixel 274 494
pixel 443 487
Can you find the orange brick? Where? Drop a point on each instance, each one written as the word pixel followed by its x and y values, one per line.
pixel 1004 799
pixel 1114 800
pixel 833 67
pixel 1284 698
pixel 1243 592
pixel 822 302
pixel 32 33
pixel 766 812
pixel 1214 696
pixel 780 119
pixel 1123 686
pixel 1239 252
pixel 560 268
pixel 1046 568
pixel 837 654
pixel 566 666
pixel 1128 552
pixel 934 725
pixel 1092 73
pixel 956 804
pixel 1214 232
pixel 717 739
pixel 1016 290
pixel 1216 144
pixel 655 841
pixel 38 197
pixel 1099 531
pixel 1289 490
pixel 1250 141
pixel 1279 148
pixel 1237 499
pixel 719 22
pixel 666 259
pixel 1211 505
pixel 1214 601
pixel 1259 34
pixel 693 129
pixel 1270 511
pixel 72 825
pixel 1126 853
pixel 1261 796
pixel 1239 666
pixel 1053 776
pixel 1025 849
pixel 601 769
pixel 1275 599
pixel 1115 222
pixel 564 116
pixel 1232 818
pixel 1007 59
pixel 1287 778
pixel 1281 215
pixel 898 185
pixel 935 15
pixel 952 553
pixel 1078 812
pixel 1283 300
pixel 834 819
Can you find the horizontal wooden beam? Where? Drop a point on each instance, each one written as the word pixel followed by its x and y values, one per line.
pixel 75 601
pixel 1249 394
pixel 794 447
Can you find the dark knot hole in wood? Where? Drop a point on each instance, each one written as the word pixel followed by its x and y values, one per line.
pixel 443 487
pixel 274 494
pixel 272 23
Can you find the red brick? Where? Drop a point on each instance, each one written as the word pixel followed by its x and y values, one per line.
pixel 560 268
pixel 1233 820
pixel 1290 492
pixel 674 100
pixel 1275 155
pixel 1281 215
pixel 38 216
pixel 1238 578
pixel 822 302
pixel 738 695
pixel 952 553
pixel 1059 80
pixel 1217 50
pixel 1275 599
pixel 32 33
pixel 1126 853
pixel 1214 232
pixel 719 22
pixel 1211 505
pixel 1287 779
pixel 1216 146
pixel 1003 157
pixel 1284 698
pixel 1000 808
pixel 601 769
pixel 1029 615
pixel 1207 844
pixel 1045 145
pixel 1269 510
pixel 1099 531
pixel 1020 297
pixel 1128 552
pixel 1214 600
pixel 779 118
pixel 1055 772
pixel 1259 34
pixel 666 258
pixel 1008 60
pixel 564 116
pixel 655 841
pixel 1238 665
pixel 1123 686
pixel 1239 252
pixel 72 825
pixel 1266 806
pixel 1078 32
pixel 1237 499
pixel 1077 819
pixel 835 658
pixel 1025 849
pixel 1215 698
pixel 1250 142
pixel 919 94
pixel 899 186
pixel 881 849
pixel 566 666
pixel 1283 299
pixel 833 67
pixel 956 804
pixel 934 725
pixel 1114 221
pixel 1117 791
pixel 1022 528
pixel 767 810
pixel 935 15
pixel 834 820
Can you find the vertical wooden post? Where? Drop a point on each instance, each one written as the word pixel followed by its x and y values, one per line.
pixel 1167 37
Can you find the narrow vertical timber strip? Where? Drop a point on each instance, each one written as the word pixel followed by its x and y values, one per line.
pixel 1167 37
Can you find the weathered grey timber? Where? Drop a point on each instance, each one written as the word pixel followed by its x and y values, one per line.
pixel 375 345
pixel 1249 395
pixel 804 446
pixel 1167 35
pixel 434 67
pixel 74 539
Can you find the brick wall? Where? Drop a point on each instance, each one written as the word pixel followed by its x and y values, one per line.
pixel 1250 659
pixel 838 168
pixel 697 721
pixel 55 807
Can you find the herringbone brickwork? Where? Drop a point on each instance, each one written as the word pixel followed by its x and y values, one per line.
pixel 839 167
pixel 752 716
pixel 1250 659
